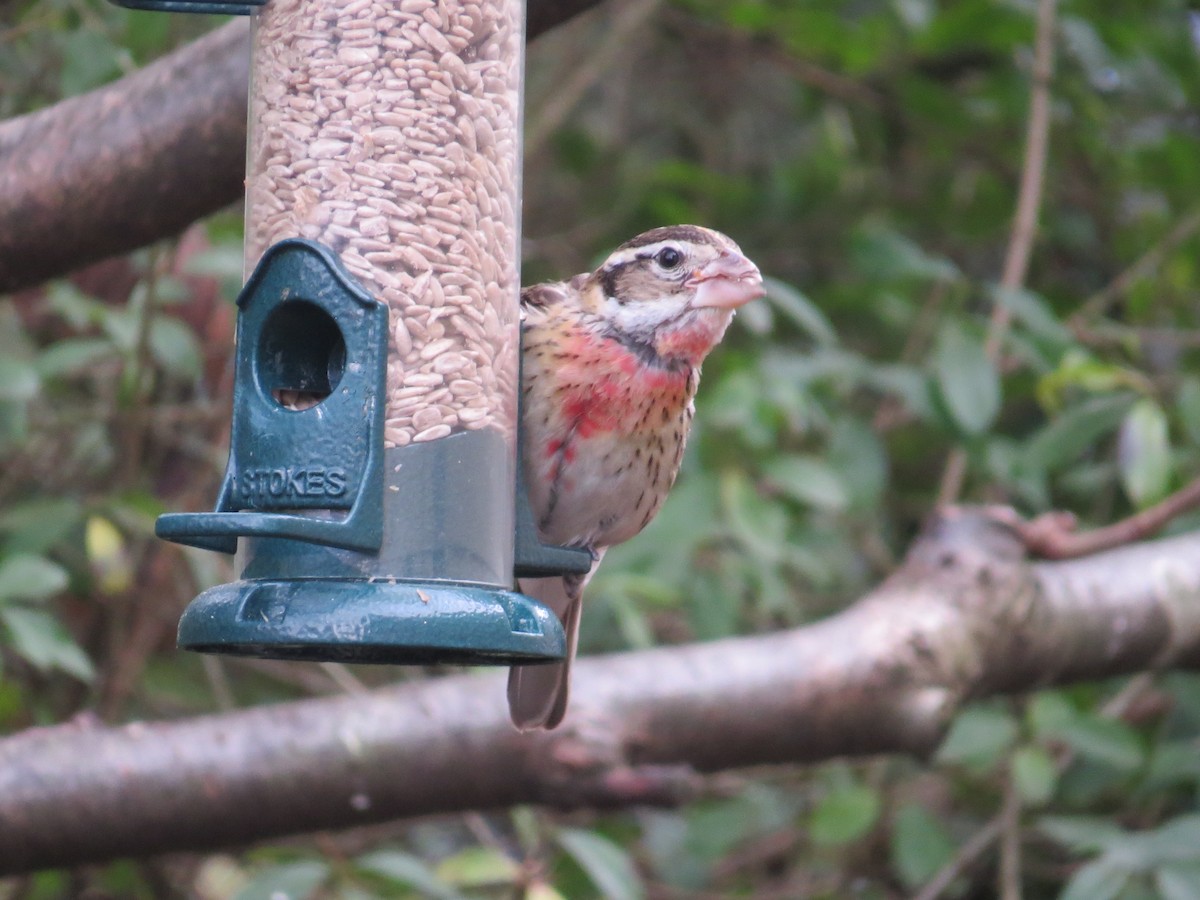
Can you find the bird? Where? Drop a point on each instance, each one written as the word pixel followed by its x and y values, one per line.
pixel 610 366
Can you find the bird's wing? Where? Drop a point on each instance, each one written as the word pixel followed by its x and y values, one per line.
pixel 542 296
pixel 540 299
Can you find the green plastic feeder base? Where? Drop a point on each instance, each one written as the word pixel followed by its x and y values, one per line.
pixel 401 622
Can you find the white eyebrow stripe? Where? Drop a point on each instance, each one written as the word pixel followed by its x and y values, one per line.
pixel 621 257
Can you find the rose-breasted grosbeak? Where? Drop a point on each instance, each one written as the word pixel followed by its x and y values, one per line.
pixel 611 364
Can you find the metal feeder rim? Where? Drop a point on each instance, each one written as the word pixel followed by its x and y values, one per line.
pixel 372 621
pixel 208 7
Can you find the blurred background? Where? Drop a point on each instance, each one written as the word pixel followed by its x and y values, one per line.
pixel 867 155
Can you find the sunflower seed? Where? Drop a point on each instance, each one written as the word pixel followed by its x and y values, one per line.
pixel 394 142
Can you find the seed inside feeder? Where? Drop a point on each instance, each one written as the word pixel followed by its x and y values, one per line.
pixel 297 401
pixel 388 132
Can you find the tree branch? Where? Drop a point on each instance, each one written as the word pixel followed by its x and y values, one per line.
pixel 966 615
pixel 1052 535
pixel 586 72
pixel 1098 304
pixel 126 164
pixel 139 159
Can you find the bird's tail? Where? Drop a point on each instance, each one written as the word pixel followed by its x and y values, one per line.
pixel 537 695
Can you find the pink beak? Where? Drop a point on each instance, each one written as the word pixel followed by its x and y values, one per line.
pixel 729 281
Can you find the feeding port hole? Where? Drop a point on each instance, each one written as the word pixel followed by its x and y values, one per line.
pixel 301 355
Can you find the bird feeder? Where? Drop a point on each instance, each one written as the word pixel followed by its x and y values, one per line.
pixel 371 494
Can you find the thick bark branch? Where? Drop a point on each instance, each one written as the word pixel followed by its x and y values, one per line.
pixel 126 164
pixel 966 615
pixel 139 159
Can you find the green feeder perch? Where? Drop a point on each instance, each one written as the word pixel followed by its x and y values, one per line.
pixel 372 493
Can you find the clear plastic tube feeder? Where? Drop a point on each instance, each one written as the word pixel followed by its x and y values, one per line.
pixel 371 493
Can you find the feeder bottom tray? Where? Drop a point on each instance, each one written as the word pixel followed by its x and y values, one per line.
pixel 362 621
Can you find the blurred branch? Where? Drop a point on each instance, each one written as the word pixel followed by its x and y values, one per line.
pixel 1098 303
pixel 1024 228
pixel 819 78
pixel 117 168
pixel 1112 334
pixel 966 615
pixel 1053 535
pixel 625 22
pixel 765 45
pixel 1033 173
pixel 1009 879
pixel 970 852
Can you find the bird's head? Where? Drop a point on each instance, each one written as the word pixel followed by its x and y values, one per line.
pixel 672 290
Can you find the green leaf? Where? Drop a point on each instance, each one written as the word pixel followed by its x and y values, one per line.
pixel 916 14
pixel 89 59
pixel 920 845
pixel 224 261
pixel 861 461
pixel 71 355
pixel 1063 440
pixel 734 403
pixel 666 845
pixel 808 479
pixel 967 380
pixel 79 309
pixel 527 826
pixel 478 867
pixel 1187 401
pixel 1084 44
pixel 885 255
pixel 14 422
pixel 797 307
pixel 1144 453
pixel 122 327
pixel 1032 311
pixel 1034 773
pixel 175 347
pixel 1103 740
pixel 219 875
pixel 408 870
pixel 1098 880
pixel 1175 841
pixel 978 738
pixel 24 576
pixel 1079 371
pixel 908 384
pixel 717 827
pixel 18 379
pixel 1082 834
pixel 1178 881
pixel 38 637
pixel 605 862
pixel 1173 763
pixel 760 526
pixel 757 318
pixel 844 814
pixel 631 616
pixel 289 881
pixel 1048 711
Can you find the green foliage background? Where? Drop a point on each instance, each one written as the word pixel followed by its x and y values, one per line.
pixel 866 154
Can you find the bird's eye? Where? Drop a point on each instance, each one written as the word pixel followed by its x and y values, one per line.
pixel 669 257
